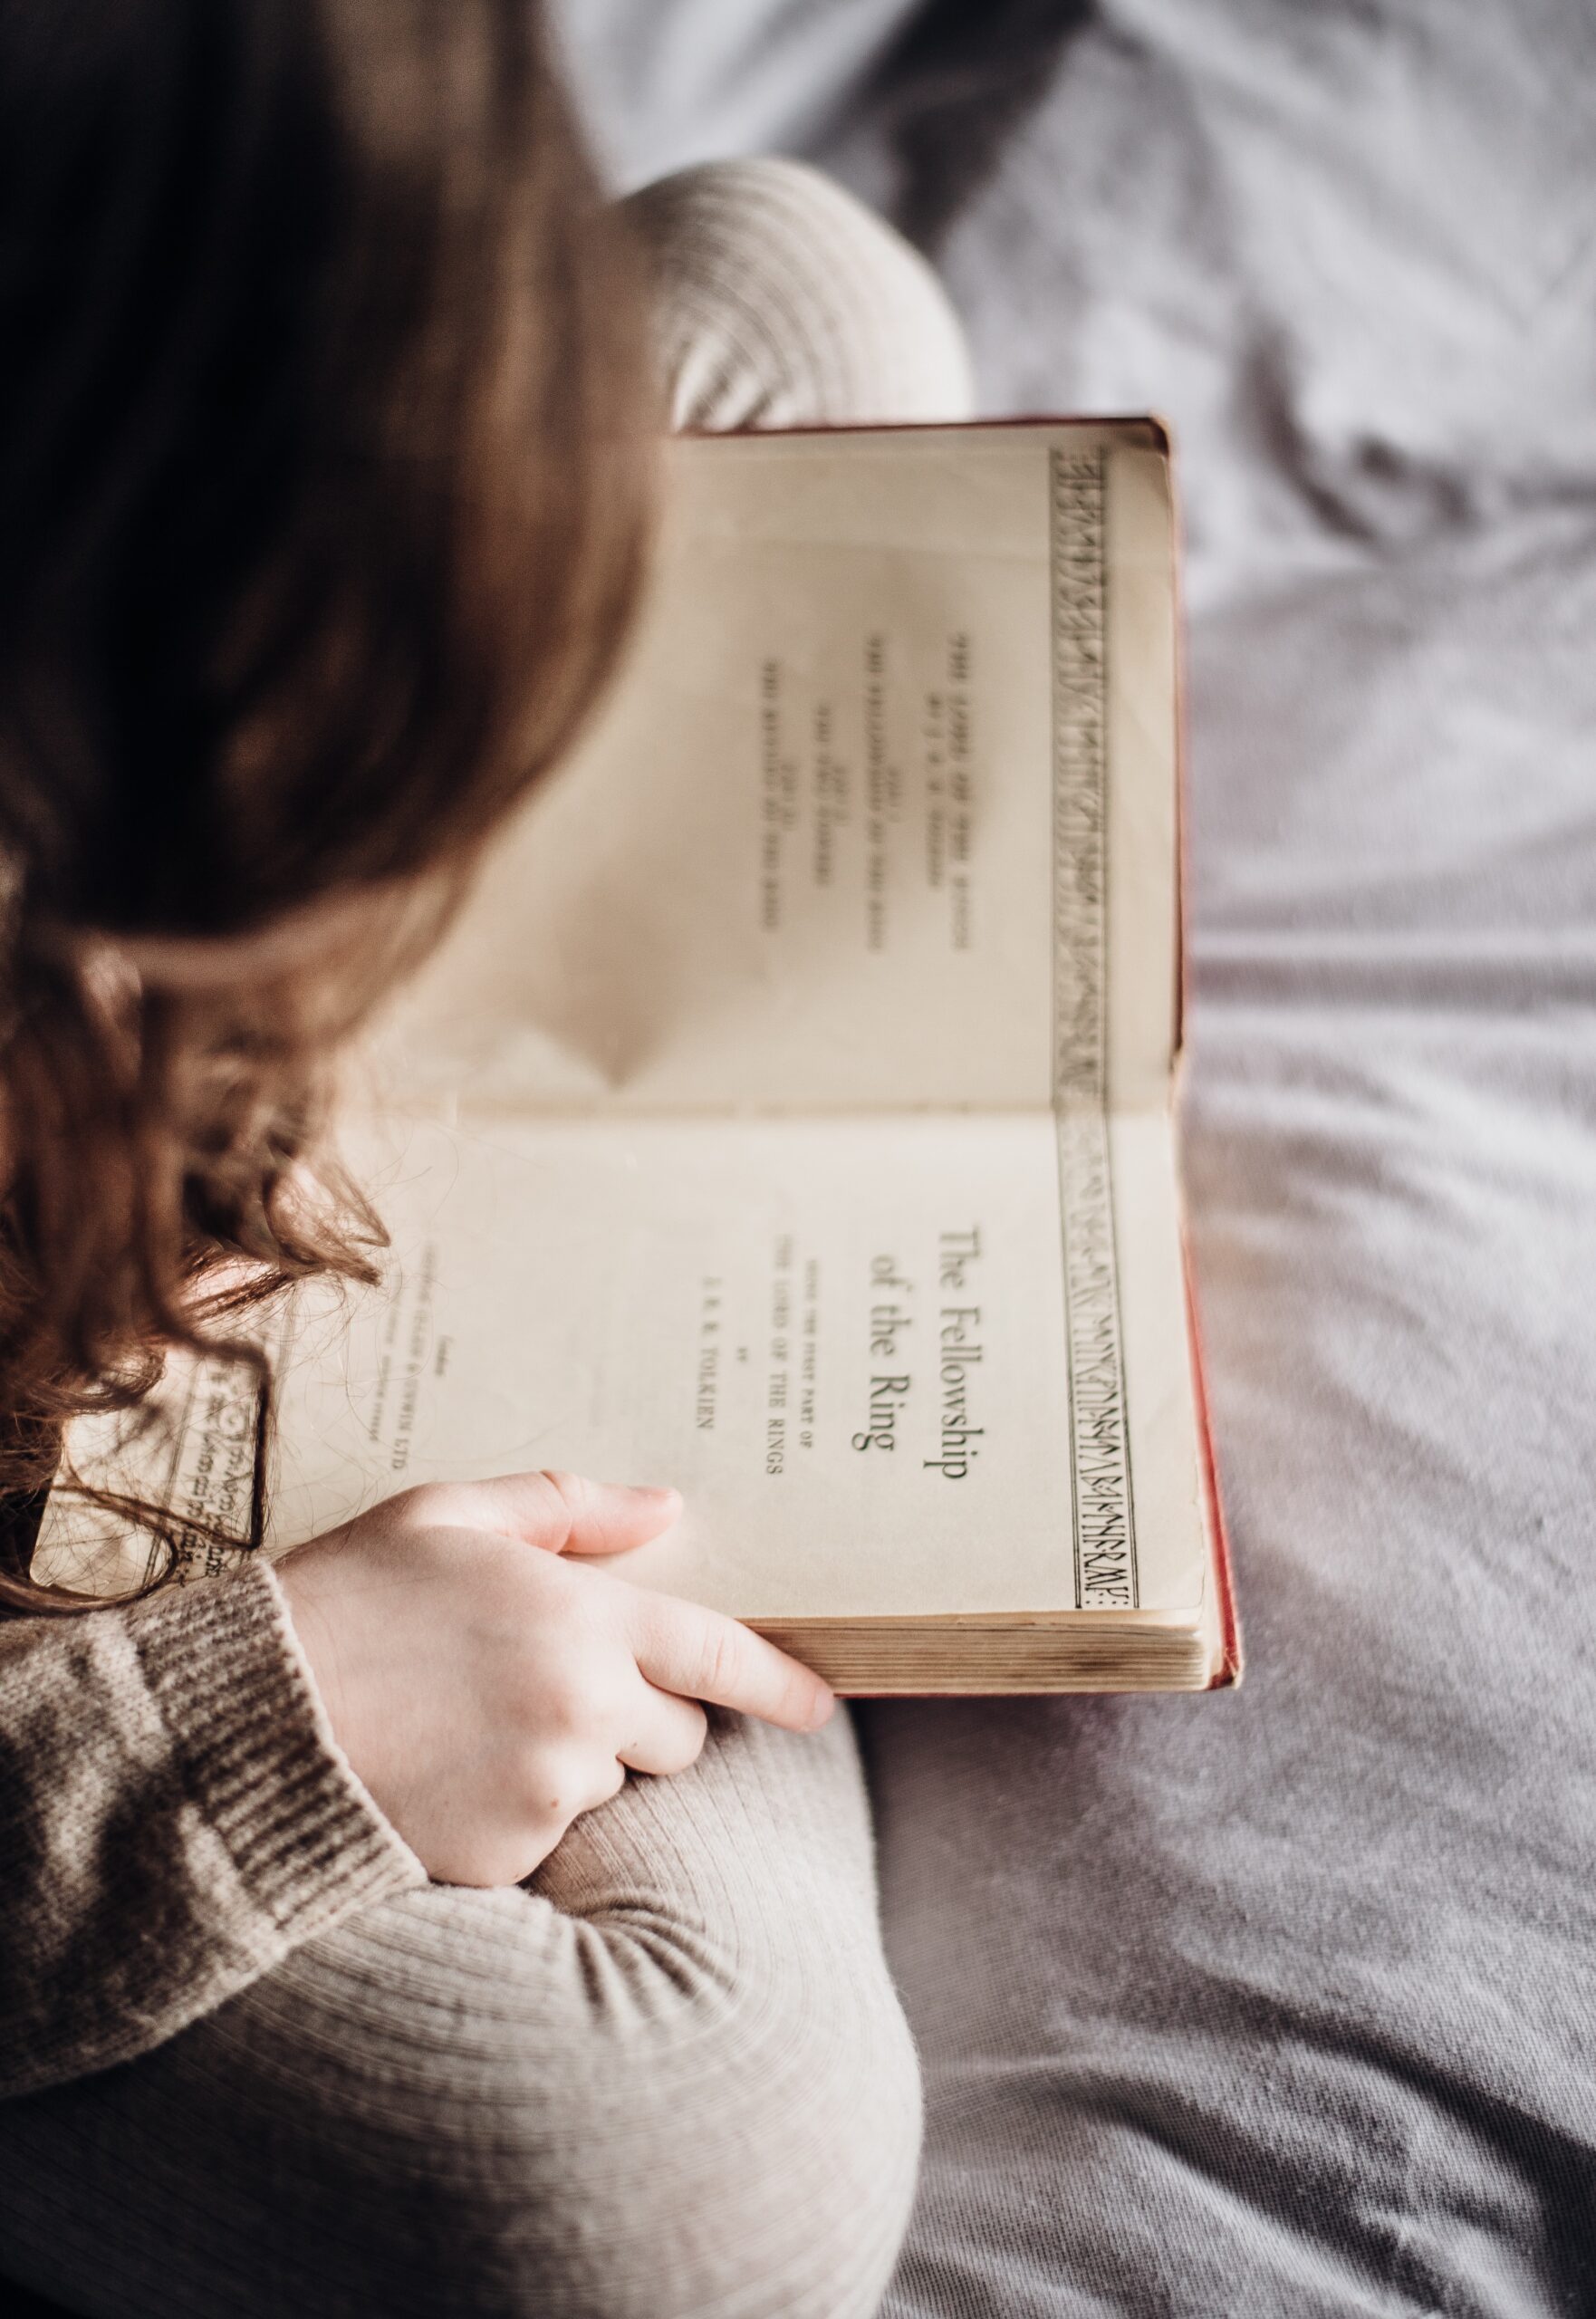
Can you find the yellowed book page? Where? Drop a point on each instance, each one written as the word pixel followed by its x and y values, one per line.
pixel 847 806
pixel 844 1339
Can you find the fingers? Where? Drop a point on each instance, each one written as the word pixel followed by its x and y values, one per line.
pixel 670 1733
pixel 562 1513
pixel 701 1655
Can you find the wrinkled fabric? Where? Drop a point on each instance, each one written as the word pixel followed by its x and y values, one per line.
pixel 1286 2002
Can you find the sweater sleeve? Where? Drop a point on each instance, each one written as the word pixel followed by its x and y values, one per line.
pixel 176 1816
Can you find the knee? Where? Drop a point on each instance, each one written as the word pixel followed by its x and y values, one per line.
pixel 783 300
pixel 761 2166
pixel 742 2143
pixel 681 2132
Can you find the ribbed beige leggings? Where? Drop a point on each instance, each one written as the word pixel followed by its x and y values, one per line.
pixel 672 2080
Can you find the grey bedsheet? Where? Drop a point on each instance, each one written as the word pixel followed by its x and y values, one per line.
pixel 1286 2004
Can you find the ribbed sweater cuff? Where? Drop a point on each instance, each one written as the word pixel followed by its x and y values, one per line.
pixel 258 1757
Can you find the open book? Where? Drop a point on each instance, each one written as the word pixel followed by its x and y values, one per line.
pixel 789 1114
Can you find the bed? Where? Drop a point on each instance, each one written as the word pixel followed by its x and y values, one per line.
pixel 1285 2003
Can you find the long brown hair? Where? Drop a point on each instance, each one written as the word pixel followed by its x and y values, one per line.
pixel 322 495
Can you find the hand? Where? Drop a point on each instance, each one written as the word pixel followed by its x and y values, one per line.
pixel 488 1684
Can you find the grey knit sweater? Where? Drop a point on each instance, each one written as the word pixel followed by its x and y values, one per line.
pixel 175 1818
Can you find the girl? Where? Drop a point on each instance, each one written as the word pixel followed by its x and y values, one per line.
pixel 343 1967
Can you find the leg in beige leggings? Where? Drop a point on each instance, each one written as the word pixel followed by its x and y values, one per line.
pixel 672 2081
pixel 782 303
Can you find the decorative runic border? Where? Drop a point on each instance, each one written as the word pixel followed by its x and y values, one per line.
pixel 1099 1438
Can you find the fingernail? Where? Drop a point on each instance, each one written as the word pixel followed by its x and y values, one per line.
pixel 659 1493
pixel 820 1712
